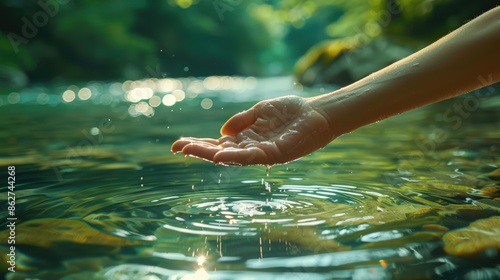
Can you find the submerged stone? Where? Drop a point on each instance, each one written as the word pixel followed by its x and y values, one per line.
pixel 47 232
pixel 435 227
pixel 305 237
pixel 343 61
pixel 480 239
pixel 492 191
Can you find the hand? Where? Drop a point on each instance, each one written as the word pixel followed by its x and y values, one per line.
pixel 272 131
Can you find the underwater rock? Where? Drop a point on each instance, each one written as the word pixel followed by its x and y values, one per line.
pixel 454 216
pixel 342 62
pixel 441 210
pixel 306 237
pixel 435 227
pixel 46 232
pixel 480 239
pixel 134 221
pixel 493 191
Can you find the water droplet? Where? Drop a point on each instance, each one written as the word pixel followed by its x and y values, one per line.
pixel 268 170
pixel 268 186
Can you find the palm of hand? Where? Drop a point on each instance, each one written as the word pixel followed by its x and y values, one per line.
pixel 273 131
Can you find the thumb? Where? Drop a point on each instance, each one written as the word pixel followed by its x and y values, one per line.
pixel 239 122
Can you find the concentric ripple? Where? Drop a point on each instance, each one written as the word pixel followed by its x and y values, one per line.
pixel 111 202
pixel 248 213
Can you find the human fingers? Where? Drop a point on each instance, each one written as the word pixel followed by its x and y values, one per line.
pixel 239 122
pixel 178 145
pixel 241 156
pixel 201 150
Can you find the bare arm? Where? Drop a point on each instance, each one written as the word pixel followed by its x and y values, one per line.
pixel 466 59
pixel 286 128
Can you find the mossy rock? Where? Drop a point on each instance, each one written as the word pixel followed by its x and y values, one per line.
pixel 47 232
pixel 344 61
pixel 481 239
pixel 305 237
pixel 493 191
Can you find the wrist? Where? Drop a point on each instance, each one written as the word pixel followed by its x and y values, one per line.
pixel 362 103
pixel 336 109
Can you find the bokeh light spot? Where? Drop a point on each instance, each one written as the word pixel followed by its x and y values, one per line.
pixel 84 93
pixel 68 96
pixel 14 98
pixel 168 100
pixel 155 101
pixel 42 98
pixel 207 103
pixel 179 94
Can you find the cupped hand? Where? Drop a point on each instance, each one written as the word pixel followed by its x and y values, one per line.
pixel 273 131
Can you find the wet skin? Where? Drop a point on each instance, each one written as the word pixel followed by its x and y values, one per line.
pixel 271 132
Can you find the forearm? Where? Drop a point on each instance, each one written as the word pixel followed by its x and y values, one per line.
pixel 464 60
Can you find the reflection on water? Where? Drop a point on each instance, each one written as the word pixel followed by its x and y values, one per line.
pixel 99 196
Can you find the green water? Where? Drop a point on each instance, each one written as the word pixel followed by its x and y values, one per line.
pixel 100 196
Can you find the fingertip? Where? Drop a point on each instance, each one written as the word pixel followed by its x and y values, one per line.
pixel 177 146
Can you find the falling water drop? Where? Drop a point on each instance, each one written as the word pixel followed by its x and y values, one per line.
pixel 268 170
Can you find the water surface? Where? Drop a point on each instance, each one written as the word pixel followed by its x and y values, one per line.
pixel 100 196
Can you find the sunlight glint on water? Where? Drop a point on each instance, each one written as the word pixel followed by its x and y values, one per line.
pixel 97 161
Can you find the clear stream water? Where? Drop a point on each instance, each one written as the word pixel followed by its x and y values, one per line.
pixel 100 196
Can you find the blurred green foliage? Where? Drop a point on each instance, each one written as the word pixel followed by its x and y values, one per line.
pixel 64 40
